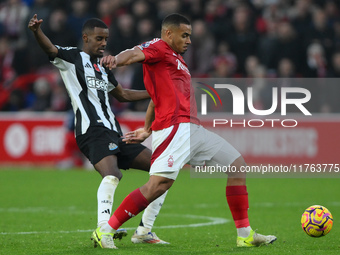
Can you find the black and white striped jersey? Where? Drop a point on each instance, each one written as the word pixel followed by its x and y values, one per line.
pixel 88 85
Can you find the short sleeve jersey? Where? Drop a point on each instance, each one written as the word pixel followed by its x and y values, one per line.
pixel 168 81
pixel 88 85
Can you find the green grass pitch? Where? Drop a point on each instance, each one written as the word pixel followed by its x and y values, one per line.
pixel 46 211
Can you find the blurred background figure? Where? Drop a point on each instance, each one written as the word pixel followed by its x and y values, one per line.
pixel 145 30
pixel 287 45
pixel 79 14
pixel 321 32
pixel 122 34
pixel 74 157
pixel 251 66
pixel 125 76
pixel 40 98
pixel 286 69
pixel 16 101
pixel 243 37
pixel 316 61
pixel 198 55
pixel 42 7
pixel 7 72
pixel 259 85
pixel 13 16
pixel 59 31
pixel 224 66
pixel 165 7
pixel 329 94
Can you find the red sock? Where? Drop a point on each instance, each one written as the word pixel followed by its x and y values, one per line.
pixel 237 198
pixel 133 204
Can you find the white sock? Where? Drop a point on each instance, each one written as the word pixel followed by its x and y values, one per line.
pixel 105 197
pixel 106 228
pixel 243 232
pixel 143 230
pixel 150 214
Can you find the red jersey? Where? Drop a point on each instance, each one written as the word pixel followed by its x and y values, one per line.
pixel 168 81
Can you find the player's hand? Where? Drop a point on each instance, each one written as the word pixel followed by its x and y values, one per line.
pixel 34 23
pixel 137 136
pixel 108 62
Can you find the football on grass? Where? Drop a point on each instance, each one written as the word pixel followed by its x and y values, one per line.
pixel 317 221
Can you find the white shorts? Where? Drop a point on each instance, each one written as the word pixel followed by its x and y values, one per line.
pixel 184 143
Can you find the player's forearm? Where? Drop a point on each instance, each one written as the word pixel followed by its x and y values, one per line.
pixel 135 95
pixel 45 43
pixel 129 56
pixel 150 116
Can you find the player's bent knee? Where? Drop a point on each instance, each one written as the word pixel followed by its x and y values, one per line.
pixel 118 174
pixel 110 172
pixel 239 162
pixel 155 187
pixel 238 174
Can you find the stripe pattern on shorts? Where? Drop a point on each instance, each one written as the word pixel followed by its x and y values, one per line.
pixel 161 148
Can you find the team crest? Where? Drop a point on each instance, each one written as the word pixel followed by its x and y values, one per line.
pixel 112 146
pixel 170 161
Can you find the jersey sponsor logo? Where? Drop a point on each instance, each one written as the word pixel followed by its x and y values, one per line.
pixel 181 66
pixel 112 146
pixel 65 48
pixel 94 83
pixel 147 44
pixel 88 65
pixel 171 161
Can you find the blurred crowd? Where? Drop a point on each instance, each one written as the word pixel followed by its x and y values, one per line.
pixel 230 39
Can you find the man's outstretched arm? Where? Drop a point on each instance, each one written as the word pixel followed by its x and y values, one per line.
pixel 126 57
pixel 128 95
pixel 43 41
pixel 139 135
pixel 150 117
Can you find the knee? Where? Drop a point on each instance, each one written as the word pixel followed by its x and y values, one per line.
pixel 239 162
pixel 114 172
pixel 159 189
pixel 162 188
pixel 238 174
pixel 117 173
pixel 110 179
pixel 156 187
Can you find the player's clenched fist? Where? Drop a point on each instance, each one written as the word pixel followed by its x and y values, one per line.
pixel 108 62
pixel 34 23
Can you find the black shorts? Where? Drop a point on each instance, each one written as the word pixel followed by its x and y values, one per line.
pixel 100 142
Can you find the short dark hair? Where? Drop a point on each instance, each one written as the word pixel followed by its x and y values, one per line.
pixel 90 24
pixel 175 19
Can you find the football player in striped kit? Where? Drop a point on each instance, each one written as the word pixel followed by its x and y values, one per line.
pixel 97 132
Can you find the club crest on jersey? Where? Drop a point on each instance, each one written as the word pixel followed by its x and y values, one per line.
pixel 96 68
pixel 170 161
pixel 112 146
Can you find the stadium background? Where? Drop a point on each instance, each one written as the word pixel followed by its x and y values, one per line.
pixel 231 39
